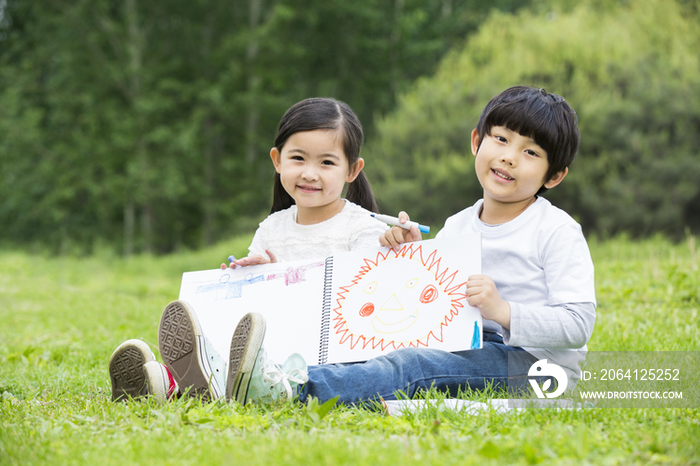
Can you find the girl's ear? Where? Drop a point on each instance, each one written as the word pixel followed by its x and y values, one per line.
pixel 557 178
pixel 355 170
pixel 276 159
pixel 475 141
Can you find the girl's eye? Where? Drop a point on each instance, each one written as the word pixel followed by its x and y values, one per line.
pixel 532 153
pixel 500 138
pixel 328 162
pixel 297 157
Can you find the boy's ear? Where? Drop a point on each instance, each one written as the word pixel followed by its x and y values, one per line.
pixel 355 170
pixel 475 141
pixel 276 158
pixel 557 178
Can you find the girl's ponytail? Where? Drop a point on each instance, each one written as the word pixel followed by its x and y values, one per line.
pixel 360 193
pixel 280 197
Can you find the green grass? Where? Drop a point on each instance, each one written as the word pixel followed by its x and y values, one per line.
pixel 60 319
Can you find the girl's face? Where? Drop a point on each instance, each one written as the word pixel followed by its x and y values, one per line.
pixel 313 169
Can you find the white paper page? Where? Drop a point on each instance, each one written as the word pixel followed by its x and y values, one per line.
pixel 384 300
pixel 289 295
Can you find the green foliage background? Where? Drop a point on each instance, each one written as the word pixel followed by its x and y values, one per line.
pixel 145 126
pixel 631 71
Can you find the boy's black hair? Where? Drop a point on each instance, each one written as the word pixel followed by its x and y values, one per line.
pixel 537 114
pixel 325 113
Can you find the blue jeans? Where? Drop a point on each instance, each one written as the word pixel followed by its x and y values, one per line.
pixel 410 370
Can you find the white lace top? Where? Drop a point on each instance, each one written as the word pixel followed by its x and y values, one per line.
pixel 352 228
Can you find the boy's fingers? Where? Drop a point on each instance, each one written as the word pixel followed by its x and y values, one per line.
pixel 384 241
pixel 387 239
pixel 272 256
pixel 397 237
pixel 414 232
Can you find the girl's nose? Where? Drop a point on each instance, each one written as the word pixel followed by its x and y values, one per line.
pixel 309 174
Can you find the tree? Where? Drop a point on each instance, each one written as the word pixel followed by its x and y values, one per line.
pixel 146 125
pixel 630 70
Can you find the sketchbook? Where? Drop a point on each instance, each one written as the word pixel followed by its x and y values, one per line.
pixel 349 307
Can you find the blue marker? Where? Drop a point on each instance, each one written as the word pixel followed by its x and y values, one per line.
pixel 231 258
pixel 395 221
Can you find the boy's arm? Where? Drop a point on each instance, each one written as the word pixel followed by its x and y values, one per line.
pixel 396 236
pixel 568 325
pixel 564 326
pixel 567 318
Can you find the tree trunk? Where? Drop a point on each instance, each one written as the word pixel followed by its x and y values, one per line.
pixel 129 216
pixel 253 80
pixel 135 48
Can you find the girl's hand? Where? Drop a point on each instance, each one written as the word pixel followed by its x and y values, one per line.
pixel 482 294
pixel 252 260
pixel 396 236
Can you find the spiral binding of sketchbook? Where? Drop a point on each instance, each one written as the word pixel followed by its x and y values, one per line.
pixel 326 316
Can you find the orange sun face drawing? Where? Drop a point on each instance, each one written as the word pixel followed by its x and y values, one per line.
pixel 378 310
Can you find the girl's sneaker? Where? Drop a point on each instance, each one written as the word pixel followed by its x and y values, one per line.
pixel 252 375
pixel 188 354
pixel 135 373
pixel 159 382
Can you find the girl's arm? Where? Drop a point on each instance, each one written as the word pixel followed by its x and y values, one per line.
pixel 255 259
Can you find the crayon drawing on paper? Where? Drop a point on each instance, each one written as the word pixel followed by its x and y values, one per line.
pixel 375 310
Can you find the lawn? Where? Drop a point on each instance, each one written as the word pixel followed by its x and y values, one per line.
pixel 61 318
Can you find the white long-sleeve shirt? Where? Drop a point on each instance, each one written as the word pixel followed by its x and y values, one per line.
pixel 541 265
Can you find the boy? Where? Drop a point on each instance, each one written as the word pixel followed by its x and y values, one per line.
pixel 536 294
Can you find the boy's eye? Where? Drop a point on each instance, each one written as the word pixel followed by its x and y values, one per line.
pixel 297 157
pixel 532 153
pixel 328 162
pixel 500 138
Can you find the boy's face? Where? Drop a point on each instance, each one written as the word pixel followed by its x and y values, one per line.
pixel 511 168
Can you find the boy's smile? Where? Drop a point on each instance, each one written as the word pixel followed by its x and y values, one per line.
pixel 313 169
pixel 511 168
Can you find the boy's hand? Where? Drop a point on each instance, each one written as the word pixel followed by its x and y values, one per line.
pixel 252 260
pixel 395 236
pixel 482 293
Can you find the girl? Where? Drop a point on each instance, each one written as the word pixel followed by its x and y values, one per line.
pixel 316 153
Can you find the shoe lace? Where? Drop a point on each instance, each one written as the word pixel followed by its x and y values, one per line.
pixel 274 375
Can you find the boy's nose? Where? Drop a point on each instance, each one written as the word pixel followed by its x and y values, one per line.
pixel 509 157
pixel 507 160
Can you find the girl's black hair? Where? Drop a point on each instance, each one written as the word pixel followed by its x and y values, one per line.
pixel 537 114
pixel 324 113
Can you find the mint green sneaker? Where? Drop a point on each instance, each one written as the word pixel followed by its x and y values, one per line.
pixel 189 356
pixel 252 375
